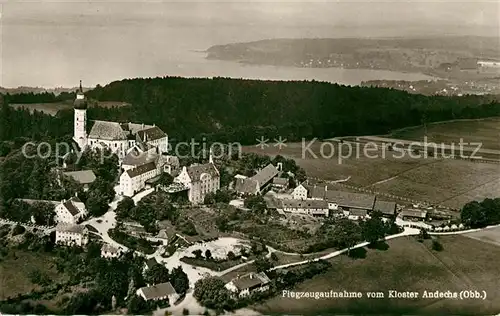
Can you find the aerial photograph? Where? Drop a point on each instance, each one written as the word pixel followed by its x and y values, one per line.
pixel 250 157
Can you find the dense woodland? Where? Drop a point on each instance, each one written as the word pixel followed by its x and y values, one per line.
pixel 231 110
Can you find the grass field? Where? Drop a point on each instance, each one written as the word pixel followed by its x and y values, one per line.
pixel 439 181
pixel 464 264
pixel 490 235
pixel 485 131
pixel 14 270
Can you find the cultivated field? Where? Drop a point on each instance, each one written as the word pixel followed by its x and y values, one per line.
pixel 464 264
pixel 485 131
pixel 490 235
pixel 448 182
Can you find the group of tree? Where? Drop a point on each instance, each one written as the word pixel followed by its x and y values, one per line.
pixel 42 213
pixel 158 273
pixel 212 293
pixel 220 196
pixel 148 211
pixel 255 203
pixel 480 214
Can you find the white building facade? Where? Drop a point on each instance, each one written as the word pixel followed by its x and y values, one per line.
pixel 71 235
pixel 200 180
pixel 70 211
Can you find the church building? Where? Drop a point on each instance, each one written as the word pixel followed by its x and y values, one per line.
pixel 120 138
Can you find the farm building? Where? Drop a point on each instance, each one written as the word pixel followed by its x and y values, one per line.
pixel 84 177
pixel 356 214
pixel 69 234
pixel 246 186
pixel 265 176
pixel 309 207
pixel 413 215
pixel 349 201
pixel 249 283
pixel 162 291
pixel 384 207
pixel 256 184
pixel 280 183
pixel 108 251
pixel 300 192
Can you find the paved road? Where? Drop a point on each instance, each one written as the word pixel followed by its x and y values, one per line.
pixel 407 232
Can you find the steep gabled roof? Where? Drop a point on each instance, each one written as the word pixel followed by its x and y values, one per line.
pixel 265 175
pixel 246 186
pixel 195 171
pixel 151 133
pixel 388 208
pixel 250 280
pixel 414 213
pixel 351 200
pixel 358 212
pixel 82 177
pixel 107 131
pixel 151 262
pixel 305 204
pixel 158 291
pixel 71 207
pixel 280 181
pixel 135 172
pixel 62 227
pixel 317 192
pixel 135 157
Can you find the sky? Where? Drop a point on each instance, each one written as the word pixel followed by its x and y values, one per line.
pixel 44 43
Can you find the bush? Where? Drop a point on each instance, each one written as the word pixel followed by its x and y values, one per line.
pixel 17 230
pixel 436 246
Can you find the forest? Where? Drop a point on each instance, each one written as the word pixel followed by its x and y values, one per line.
pixel 230 110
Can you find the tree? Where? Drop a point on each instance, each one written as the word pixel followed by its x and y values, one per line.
pixel 97 205
pixel 124 207
pixel 255 203
pixel 17 230
pixel 43 213
pixel 212 293
pixel 346 234
pixel 423 234
pixel 473 215
pixel 373 229
pixel 197 253
pixel 166 179
pixel 208 254
pixel 262 264
pixel 136 305
pixel 231 256
pixel 274 257
pixel 210 198
pixel 179 280
pixel 157 274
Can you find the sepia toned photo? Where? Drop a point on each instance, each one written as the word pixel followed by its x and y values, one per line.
pixel 249 157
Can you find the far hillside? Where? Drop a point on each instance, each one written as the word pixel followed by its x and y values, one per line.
pixel 232 110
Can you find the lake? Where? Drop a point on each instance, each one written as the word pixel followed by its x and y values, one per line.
pixel 53 54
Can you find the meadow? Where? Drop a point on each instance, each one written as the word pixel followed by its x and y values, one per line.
pixel 447 182
pixel 464 264
pixel 485 131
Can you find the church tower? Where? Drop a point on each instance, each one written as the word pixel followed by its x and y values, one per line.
pixel 80 127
